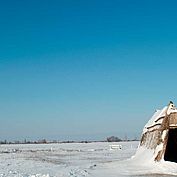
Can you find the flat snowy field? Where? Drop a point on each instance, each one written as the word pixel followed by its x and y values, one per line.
pixel 74 160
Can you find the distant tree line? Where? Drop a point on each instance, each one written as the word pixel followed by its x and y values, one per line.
pixel 113 139
pixel 117 139
pixel 44 141
pixel 41 141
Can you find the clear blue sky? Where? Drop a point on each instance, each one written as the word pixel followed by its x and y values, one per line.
pixel 75 69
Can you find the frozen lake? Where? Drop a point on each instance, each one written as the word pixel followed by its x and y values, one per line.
pixel 70 160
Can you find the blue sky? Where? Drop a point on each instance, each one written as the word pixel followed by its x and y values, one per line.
pixel 85 69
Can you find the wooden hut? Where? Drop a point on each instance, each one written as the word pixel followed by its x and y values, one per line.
pixel 160 134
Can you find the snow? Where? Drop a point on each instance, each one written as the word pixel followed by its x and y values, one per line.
pixel 164 133
pixel 158 114
pixel 80 160
pixel 60 160
pixel 144 162
pixel 155 117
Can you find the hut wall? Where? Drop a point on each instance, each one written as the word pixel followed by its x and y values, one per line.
pixel 173 119
pixel 151 139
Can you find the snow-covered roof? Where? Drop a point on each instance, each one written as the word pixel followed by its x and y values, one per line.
pixel 158 116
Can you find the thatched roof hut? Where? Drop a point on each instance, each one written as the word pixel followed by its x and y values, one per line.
pixel 160 134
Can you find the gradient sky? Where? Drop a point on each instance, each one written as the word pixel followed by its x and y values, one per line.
pixel 85 69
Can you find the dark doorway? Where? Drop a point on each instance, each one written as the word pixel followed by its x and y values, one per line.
pixel 171 148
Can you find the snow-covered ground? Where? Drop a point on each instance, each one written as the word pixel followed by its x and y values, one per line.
pixel 76 160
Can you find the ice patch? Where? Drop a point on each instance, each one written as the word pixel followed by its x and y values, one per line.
pixel 78 172
pixel 40 175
